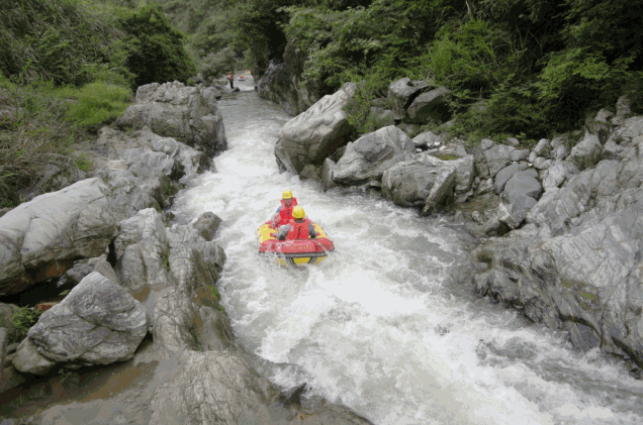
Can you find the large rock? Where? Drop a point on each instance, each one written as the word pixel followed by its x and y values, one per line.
pixel 315 134
pixel 409 183
pixel 369 156
pixel 432 105
pixel 505 174
pixel 189 114
pixel 498 157
pixel 428 140
pixel 402 92
pixel 97 323
pixel 40 239
pixel 587 152
pixel 144 169
pixel 522 183
pixel 142 251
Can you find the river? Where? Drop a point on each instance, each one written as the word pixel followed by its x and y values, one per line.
pixel 384 324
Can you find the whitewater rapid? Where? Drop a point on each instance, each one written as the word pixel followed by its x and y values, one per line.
pixel 384 324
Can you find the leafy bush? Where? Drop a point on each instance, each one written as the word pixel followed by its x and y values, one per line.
pixel 23 320
pixel 152 50
pixel 97 104
pixel 54 39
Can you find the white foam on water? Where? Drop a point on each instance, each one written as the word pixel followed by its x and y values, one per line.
pixel 374 326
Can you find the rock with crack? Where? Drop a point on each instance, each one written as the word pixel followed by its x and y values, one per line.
pixel 418 181
pixel 40 239
pixel 369 156
pixel 142 251
pixel 97 323
pixel 313 135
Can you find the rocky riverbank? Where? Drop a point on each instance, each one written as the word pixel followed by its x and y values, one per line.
pixel 558 224
pixel 143 290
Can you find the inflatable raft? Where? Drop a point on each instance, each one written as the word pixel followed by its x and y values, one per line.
pixel 306 251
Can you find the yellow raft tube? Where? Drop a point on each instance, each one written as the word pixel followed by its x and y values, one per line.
pixel 294 252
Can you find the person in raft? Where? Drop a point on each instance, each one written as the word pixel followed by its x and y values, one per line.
pixel 298 228
pixel 284 212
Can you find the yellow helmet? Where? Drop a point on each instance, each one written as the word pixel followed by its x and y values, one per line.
pixel 287 194
pixel 298 212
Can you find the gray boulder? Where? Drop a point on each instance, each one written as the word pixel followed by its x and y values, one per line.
pixel 428 140
pixel 142 251
pixel 587 151
pixel 144 169
pixel 557 174
pixel 405 90
pixel 522 183
pixel 541 163
pixel 498 157
pixel 519 155
pixel 409 183
pixel 207 225
pixel 40 239
pixel 313 135
pixel 432 105
pixel 369 156
pixel 514 214
pixel 188 114
pixel 465 173
pixel 505 174
pixel 402 92
pixel 97 323
pixel 541 147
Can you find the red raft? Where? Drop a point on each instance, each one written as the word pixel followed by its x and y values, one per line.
pixel 305 251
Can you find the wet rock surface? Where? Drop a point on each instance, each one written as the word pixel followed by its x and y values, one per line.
pixel 315 134
pixel 369 156
pixel 575 265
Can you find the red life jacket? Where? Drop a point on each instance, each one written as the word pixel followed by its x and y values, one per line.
pixel 285 213
pixel 298 230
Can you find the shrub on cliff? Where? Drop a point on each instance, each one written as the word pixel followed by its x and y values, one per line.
pixel 152 49
pixel 54 39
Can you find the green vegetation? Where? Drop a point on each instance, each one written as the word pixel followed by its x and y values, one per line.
pixel 515 67
pixel 447 157
pixel 23 320
pixel 67 68
pixel 152 50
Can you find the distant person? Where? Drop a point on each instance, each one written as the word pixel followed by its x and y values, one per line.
pixel 231 77
pixel 298 228
pixel 284 212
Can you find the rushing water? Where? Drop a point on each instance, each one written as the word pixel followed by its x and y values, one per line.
pixel 381 325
